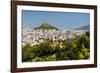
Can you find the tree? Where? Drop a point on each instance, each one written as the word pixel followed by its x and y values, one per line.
pixel 44 48
pixel 27 53
pixel 85 52
pixel 85 40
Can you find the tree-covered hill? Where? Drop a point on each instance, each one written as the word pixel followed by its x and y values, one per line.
pixel 45 26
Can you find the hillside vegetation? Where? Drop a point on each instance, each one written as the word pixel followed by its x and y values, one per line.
pixel 45 26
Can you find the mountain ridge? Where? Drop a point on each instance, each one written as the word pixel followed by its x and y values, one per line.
pixel 87 27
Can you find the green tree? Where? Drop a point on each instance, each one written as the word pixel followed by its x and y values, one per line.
pixel 45 48
pixel 27 53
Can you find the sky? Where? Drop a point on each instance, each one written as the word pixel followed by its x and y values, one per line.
pixel 63 20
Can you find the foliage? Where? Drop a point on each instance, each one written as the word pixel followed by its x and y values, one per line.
pixel 76 49
pixel 27 53
pixel 44 48
pixel 45 26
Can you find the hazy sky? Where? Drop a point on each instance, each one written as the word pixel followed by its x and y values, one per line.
pixel 66 20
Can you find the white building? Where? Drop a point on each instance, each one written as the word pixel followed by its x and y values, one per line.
pixel 34 37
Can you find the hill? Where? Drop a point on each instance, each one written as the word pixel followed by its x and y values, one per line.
pixel 87 27
pixel 45 26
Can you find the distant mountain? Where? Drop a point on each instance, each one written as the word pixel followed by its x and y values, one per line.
pixel 45 26
pixel 87 27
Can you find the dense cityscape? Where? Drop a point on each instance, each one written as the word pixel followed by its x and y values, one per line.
pixel 48 43
pixel 35 37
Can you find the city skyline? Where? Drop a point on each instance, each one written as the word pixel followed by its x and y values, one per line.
pixel 64 20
